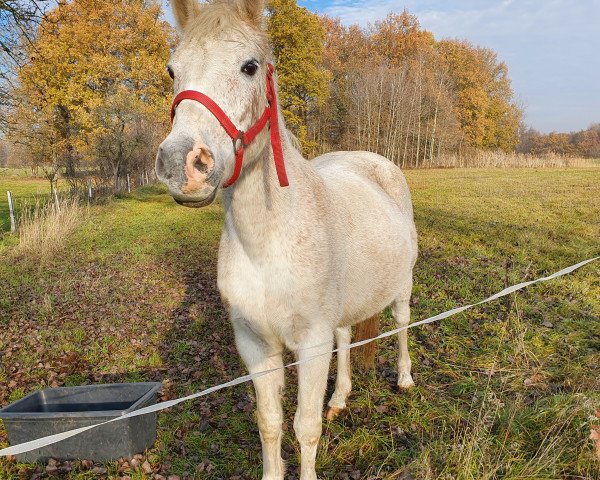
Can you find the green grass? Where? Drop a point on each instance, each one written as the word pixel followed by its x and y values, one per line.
pixel 508 390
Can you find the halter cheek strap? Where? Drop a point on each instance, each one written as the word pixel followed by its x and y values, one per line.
pixel 242 139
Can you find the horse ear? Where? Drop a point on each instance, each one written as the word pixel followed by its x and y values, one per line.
pixel 184 11
pixel 252 10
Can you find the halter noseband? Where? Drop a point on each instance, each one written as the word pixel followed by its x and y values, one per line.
pixel 240 138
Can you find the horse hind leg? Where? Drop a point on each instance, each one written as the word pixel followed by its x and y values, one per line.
pixel 343 379
pixel 365 357
pixel 401 313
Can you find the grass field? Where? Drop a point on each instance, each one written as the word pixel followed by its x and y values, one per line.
pixel 509 390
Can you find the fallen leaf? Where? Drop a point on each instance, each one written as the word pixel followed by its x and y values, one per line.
pixel 51 469
pixel 535 379
pixel 146 467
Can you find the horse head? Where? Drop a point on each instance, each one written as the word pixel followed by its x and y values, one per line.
pixel 222 79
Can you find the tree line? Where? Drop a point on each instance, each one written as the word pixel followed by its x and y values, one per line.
pixel 393 89
pixel 84 91
pixel 584 144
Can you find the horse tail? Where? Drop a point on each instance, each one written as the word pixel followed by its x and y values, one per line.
pixel 365 354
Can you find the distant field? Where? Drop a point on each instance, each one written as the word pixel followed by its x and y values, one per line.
pixel 15 172
pixel 509 390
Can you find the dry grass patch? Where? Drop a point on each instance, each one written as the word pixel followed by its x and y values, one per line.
pixel 43 229
pixel 500 159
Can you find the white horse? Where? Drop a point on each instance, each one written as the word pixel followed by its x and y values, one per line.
pixel 298 264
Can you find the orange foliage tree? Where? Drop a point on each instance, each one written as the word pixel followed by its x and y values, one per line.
pixel 489 117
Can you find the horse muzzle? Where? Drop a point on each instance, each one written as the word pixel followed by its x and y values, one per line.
pixel 189 170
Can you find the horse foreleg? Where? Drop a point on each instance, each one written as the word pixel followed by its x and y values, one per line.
pixel 312 382
pixel 259 356
pixel 343 379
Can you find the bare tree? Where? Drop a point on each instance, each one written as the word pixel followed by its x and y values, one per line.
pixel 18 21
pixel 404 112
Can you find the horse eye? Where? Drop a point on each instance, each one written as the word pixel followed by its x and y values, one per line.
pixel 250 68
pixel 171 73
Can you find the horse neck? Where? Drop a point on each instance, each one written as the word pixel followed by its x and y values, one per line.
pixel 256 206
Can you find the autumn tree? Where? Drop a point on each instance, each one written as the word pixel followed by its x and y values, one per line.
pixel 297 39
pixel 95 72
pixel 485 106
pixel 346 49
pixel 587 142
pixel 399 37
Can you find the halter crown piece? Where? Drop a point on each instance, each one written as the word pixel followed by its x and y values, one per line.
pixel 240 138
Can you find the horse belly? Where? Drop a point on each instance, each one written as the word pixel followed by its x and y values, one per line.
pixel 381 272
pixel 379 249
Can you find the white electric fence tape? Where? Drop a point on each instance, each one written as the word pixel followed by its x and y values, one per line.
pixel 51 439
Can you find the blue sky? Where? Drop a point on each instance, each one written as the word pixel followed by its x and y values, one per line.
pixel 552 47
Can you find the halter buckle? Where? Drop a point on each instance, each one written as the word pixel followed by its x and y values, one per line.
pixel 238 142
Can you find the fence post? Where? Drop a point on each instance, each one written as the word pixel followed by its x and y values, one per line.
pixel 90 189
pixel 56 202
pixel 128 184
pixel 11 209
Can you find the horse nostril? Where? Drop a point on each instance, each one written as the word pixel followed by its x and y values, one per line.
pixel 199 163
pixel 161 171
pixel 200 166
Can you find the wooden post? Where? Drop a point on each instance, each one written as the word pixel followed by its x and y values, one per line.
pixel 90 189
pixel 11 209
pixel 128 184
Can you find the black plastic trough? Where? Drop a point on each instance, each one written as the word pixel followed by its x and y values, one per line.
pixel 56 410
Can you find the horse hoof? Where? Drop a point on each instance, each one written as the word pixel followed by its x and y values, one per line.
pixel 405 383
pixel 333 412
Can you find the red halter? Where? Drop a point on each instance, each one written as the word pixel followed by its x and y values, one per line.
pixel 240 138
